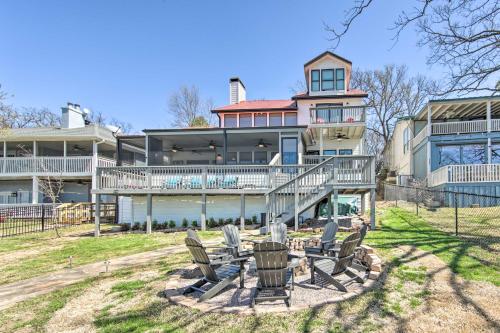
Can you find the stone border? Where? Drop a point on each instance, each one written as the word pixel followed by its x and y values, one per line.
pixel 174 283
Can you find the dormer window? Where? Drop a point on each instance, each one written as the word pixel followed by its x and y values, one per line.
pixel 339 79
pixel 327 79
pixel 315 80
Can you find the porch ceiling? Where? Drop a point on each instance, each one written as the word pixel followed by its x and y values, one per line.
pixel 330 133
pixel 466 108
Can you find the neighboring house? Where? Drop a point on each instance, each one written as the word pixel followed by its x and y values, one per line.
pixel 453 143
pixel 260 147
pixel 70 152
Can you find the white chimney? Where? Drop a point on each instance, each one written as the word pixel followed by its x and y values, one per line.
pixel 237 92
pixel 72 116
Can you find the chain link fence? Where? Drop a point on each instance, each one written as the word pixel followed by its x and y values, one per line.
pixel 473 217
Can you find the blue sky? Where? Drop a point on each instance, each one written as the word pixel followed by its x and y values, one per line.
pixel 125 58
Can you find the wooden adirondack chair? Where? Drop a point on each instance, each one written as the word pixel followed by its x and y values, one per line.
pixel 217 253
pixel 219 278
pixel 275 275
pixel 233 242
pixel 330 268
pixel 327 240
pixel 278 233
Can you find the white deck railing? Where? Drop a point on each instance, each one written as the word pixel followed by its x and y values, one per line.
pixel 454 127
pixel 337 114
pixel 465 173
pixel 41 165
pixel 419 137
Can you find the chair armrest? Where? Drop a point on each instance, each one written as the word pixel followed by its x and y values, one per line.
pixel 315 256
pixel 254 241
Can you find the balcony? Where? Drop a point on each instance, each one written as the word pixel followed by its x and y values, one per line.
pixel 349 170
pixel 46 166
pixel 345 115
pixel 465 173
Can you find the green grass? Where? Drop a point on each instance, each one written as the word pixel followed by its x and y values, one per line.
pixel 400 227
pixel 84 250
pixel 128 289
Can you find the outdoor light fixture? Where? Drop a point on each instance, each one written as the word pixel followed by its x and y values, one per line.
pixel 262 144
pixel 211 145
pixel 218 157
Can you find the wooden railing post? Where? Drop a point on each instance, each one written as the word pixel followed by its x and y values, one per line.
pixel 204 178
pixel 148 178
pixel 296 203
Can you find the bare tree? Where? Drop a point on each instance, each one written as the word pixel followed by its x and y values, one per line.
pixel 125 127
pixel 300 86
pixel 391 94
pixel 188 109
pixel 462 35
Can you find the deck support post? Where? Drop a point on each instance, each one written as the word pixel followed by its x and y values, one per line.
pixel 203 216
pixel 336 206
pixel 97 215
pixel 34 190
pixel 329 208
pixel 149 211
pixel 94 168
pixel 321 141
pixel 363 204
pixel 242 211
pixel 488 128
pixel 372 209
pixel 296 205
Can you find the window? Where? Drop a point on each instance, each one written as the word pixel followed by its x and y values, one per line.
pixel 232 158
pixel 339 79
pixel 406 140
pixel 246 157
pixel 327 79
pixel 289 149
pixel 275 119
pixel 495 154
pixel 315 80
pixel 260 157
pixel 473 154
pixel 246 120
pixel 260 120
pixel 345 151
pixel 449 155
pixel 330 152
pixel 230 120
pixel 463 154
pixel 290 118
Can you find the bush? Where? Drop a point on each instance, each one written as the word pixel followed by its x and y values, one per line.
pixel 185 223
pixel 211 223
pixel 171 224
pixel 229 221
pixel 144 226
pixel 221 222
pixel 248 222
pixel 194 224
pixel 136 226
pixel 164 225
pixel 154 225
pixel 254 219
pixel 125 227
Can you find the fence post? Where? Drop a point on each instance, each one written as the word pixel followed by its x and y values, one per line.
pixel 456 213
pixel 416 199
pixel 43 218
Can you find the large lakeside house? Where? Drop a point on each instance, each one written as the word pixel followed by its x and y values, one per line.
pixel 272 158
pixel 451 144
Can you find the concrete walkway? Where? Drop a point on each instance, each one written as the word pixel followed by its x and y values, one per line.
pixel 19 291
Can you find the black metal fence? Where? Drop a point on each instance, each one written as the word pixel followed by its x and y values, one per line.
pixel 473 217
pixel 25 219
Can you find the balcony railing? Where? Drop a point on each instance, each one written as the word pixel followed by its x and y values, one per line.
pixel 455 127
pixel 350 170
pixel 419 137
pixel 465 173
pixel 337 115
pixel 45 165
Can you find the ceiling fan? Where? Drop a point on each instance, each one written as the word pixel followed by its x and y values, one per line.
pixel 175 149
pixel 263 144
pixel 77 148
pixel 340 136
pixel 212 145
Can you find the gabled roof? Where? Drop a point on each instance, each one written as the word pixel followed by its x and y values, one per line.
pixel 348 93
pixel 259 105
pixel 324 54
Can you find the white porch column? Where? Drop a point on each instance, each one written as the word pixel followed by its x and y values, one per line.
pixel 94 168
pixel 4 156
pixel 97 216
pixel 329 208
pixel 203 216
pixel 363 204
pixel 321 141
pixel 242 212
pixel 336 206
pixel 65 154
pixel 429 133
pixel 372 209
pixel 149 212
pixel 488 126
pixel 34 191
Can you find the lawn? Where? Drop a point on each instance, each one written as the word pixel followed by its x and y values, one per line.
pixel 27 256
pixel 129 300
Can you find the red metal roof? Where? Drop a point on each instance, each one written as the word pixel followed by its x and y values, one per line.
pixel 277 104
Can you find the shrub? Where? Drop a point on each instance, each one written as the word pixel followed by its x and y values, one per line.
pixel 164 225
pixel 211 223
pixel 144 226
pixel 185 223
pixel 194 224
pixel 171 224
pixel 125 227
pixel 254 219
pixel 229 221
pixel 248 222
pixel 221 222
pixel 136 226
pixel 154 225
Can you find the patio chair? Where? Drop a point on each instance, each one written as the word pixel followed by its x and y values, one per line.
pixel 275 275
pixel 219 278
pixel 173 182
pixel 327 240
pixel 330 268
pixel 233 242
pixel 279 233
pixel 217 254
